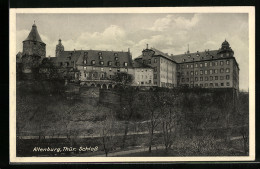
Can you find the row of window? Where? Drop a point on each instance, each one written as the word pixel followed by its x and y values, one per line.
pixel 208 84
pixel 205 64
pixel 206 78
pixel 143 77
pixel 140 82
pixel 109 63
pixel 102 69
pixel 211 71
pixel 198 55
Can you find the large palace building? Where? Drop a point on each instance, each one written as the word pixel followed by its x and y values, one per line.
pixel 207 69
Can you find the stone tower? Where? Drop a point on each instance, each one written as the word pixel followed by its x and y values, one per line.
pixel 59 49
pixel 226 50
pixel 33 45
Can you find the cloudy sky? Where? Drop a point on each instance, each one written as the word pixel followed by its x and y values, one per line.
pixel 170 33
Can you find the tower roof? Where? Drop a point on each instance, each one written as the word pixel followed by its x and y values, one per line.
pixel 34 35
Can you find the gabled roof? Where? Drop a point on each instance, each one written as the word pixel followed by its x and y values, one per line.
pixel 106 57
pixel 197 56
pixel 137 64
pixel 34 35
pixel 156 53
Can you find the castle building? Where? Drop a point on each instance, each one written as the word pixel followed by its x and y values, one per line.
pixel 94 67
pixel 164 67
pixel 143 74
pixel 33 45
pixel 208 69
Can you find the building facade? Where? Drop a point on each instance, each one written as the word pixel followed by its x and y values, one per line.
pixel 164 68
pixel 143 74
pixel 208 69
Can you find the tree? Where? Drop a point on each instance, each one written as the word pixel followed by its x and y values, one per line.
pixel 123 78
pixel 151 105
pixel 108 132
pixel 128 104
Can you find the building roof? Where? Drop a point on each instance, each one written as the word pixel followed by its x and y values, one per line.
pixel 137 64
pixel 107 56
pixel 197 56
pixel 34 35
pixel 157 53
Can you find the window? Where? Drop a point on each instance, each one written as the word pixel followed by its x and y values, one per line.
pixel 99 53
pixel 211 78
pixel 110 76
pixel 93 62
pixel 61 63
pixel 155 60
pixel 201 78
pixel 206 72
pixel 85 68
pixel 200 64
pixel 115 54
pixel 85 61
pixel 227 77
pixel 216 71
pixel 196 79
pixel 206 84
pixel 109 63
pixel 228 84
pixel 216 84
pixel 227 54
pixel 125 64
pixel 182 80
pixel 227 62
pixel 221 70
pixel 206 64
pixel 210 71
pixel 110 69
pixel 201 85
pixel 196 72
pixel 191 66
pixel 222 84
pixel 149 61
pixel 187 79
pixel 102 69
pixel 211 84
pixel 216 63
pixel 118 70
pixel 183 60
pixel 201 72
pixel 101 62
pixel 196 65
pixel 210 63
pixel 187 66
pixel 117 64
pixel 143 61
pixel 227 70
pixel 221 62
pixel 100 57
pixel 206 78
pixel 221 77
pixel 191 73
pixel 182 66
pixel 221 55
pixel 116 58
pixel 216 77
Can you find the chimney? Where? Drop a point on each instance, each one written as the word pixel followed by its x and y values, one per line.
pixel 146 46
pixel 128 50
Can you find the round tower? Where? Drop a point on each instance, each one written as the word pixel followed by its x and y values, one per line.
pixel 33 45
pixel 59 49
pixel 225 50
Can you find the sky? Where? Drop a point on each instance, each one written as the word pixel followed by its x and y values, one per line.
pixel 171 33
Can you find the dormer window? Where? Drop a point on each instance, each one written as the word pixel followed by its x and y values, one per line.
pixel 227 54
pixel 188 56
pixel 93 62
pixel 117 64
pixel 125 63
pixel 101 63
pixel 115 54
pixel 109 63
pixel 99 53
pixel 212 57
pixel 85 53
pixel 100 57
pixel 85 61
pixel 183 60
pixel 116 58
pixel 201 58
